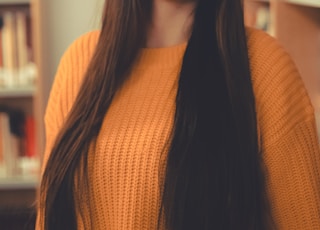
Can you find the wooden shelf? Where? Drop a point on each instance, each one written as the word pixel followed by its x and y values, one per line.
pixel 257 2
pixel 18 193
pixel 28 91
pixel 310 3
pixel 14 2
pixel 260 1
pixel 19 183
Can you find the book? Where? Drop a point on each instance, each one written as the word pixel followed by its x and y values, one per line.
pixel 17 143
pixel 17 69
pixel 10 61
pixel 22 55
pixel 1 58
pixel 8 147
pixel 263 18
pixel 30 142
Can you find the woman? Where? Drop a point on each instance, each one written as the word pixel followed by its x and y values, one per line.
pixel 174 116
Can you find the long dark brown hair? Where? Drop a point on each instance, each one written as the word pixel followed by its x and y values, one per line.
pixel 214 174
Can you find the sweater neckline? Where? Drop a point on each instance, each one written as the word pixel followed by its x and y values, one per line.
pixel 161 58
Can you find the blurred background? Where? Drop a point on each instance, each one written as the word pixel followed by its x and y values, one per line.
pixel 33 36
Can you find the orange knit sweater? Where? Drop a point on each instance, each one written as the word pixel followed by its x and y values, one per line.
pixel 124 160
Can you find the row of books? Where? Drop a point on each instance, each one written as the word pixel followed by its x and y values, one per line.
pixel 17 141
pixel 16 62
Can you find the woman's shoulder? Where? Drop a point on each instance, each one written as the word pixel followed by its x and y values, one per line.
pixel 270 63
pixel 71 70
pixel 87 40
pixel 267 57
pixel 77 57
pixel 282 101
pixel 263 47
pixel 82 47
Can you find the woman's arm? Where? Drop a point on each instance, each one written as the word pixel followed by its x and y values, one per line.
pixel 288 133
pixel 64 90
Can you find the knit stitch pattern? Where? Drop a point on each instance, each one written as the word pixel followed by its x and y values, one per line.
pixel 125 159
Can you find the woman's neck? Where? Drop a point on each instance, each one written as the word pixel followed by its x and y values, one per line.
pixel 171 23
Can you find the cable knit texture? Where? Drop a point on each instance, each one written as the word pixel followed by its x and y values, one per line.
pixel 124 161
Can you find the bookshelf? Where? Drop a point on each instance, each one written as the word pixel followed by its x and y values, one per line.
pixel 18 92
pixel 311 3
pixel 19 161
pixel 14 2
pixel 17 96
pixel 19 183
pixel 296 25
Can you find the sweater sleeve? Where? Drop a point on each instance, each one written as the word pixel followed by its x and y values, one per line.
pixel 66 84
pixel 288 132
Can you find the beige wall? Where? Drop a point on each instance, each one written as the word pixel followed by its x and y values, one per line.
pixel 57 23
pixel 62 21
